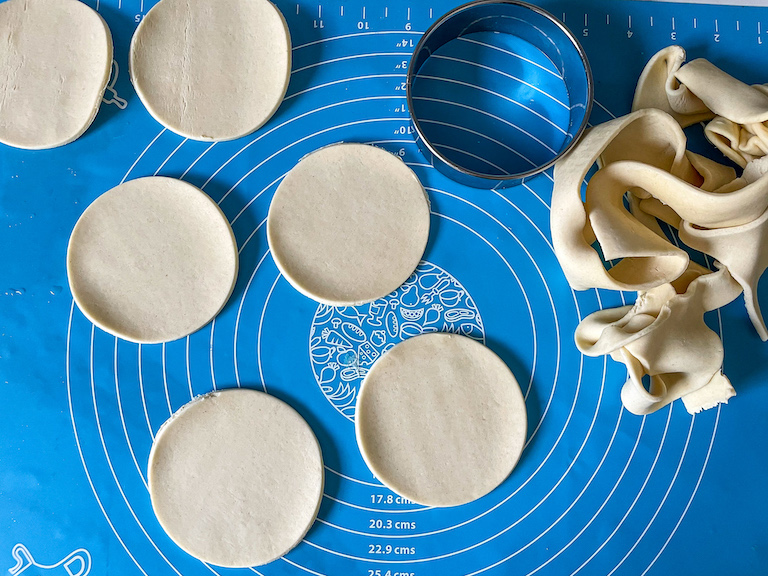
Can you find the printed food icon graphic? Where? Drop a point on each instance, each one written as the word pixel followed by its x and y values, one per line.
pixel 346 341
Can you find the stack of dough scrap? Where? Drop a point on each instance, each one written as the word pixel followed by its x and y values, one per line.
pixel 56 56
pixel 646 176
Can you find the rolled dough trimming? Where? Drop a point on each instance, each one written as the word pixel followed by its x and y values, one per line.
pixel 643 160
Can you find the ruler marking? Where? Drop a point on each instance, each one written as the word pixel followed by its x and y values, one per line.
pixel 342 10
pixel 651 20
pixel 695 24
pixel 563 17
pixel 363 12
pixel 297 8
pixel 320 11
pixel 586 22
pixel 630 21
pixel 717 28
pixel 607 19
pixel 408 17
pixel 738 26
pixel 673 23
pixel 430 13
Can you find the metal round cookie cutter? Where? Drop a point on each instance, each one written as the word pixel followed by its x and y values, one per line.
pixel 541 123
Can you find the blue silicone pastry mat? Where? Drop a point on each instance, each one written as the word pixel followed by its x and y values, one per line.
pixel 598 490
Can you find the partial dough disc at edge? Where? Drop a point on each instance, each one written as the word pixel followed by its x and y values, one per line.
pixel 258 506
pixel 54 75
pixel 211 93
pixel 440 420
pixel 152 260
pixel 348 224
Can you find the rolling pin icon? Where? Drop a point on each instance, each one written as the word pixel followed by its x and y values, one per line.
pixel 78 563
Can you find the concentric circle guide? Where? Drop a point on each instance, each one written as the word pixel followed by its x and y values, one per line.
pixel 598 490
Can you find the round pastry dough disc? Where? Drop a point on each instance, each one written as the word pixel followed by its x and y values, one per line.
pixel 236 478
pixel 55 57
pixel 211 69
pixel 440 420
pixel 152 260
pixel 348 224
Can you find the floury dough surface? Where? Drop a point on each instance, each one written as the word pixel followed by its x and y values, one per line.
pixel 211 69
pixel 55 61
pixel 348 224
pixel 440 420
pixel 236 478
pixel 152 260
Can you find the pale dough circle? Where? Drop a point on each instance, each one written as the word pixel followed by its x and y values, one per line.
pixel 348 224
pixel 440 420
pixel 236 478
pixel 56 58
pixel 211 69
pixel 152 260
